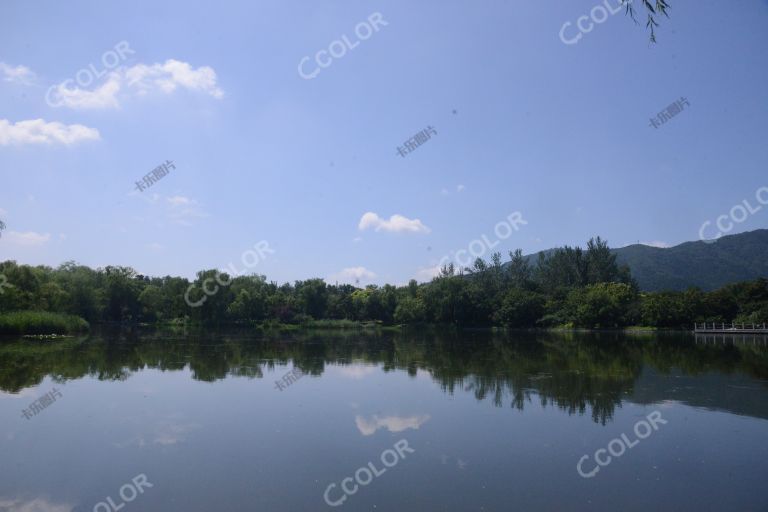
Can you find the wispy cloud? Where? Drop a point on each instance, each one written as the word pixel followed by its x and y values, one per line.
pixel 139 80
pixel 396 224
pixel 26 239
pixel 38 131
pixel 427 273
pixel 182 210
pixel 16 74
pixel 352 275
pixel 179 201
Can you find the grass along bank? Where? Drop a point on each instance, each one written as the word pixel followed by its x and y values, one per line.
pixel 41 322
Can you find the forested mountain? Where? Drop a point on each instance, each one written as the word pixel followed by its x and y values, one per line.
pixel 708 266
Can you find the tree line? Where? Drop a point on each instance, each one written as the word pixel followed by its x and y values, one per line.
pixel 568 286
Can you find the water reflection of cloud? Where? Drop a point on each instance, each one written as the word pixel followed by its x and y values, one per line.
pixel 368 427
pixel 36 505
pixel 24 393
pixel 357 371
pixel 165 434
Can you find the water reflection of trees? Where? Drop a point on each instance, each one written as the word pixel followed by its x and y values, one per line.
pixel 576 372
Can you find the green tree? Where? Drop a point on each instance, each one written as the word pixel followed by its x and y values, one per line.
pixel 601 305
pixel 519 270
pixel 521 308
pixel 409 310
pixel 312 297
pixel 151 301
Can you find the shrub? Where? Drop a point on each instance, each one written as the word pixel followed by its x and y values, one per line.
pixel 40 322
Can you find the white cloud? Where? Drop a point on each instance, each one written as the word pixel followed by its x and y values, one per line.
pixel 427 273
pixel 179 201
pixel 460 188
pixel 182 210
pixel 104 96
pixel 27 239
pixel 396 224
pixel 369 427
pixel 656 243
pixel 167 77
pixel 18 74
pixel 138 80
pixel 352 275
pixel 37 131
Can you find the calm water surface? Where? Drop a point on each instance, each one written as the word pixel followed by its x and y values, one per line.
pixel 490 422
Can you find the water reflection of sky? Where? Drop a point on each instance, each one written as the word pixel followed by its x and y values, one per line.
pixel 235 442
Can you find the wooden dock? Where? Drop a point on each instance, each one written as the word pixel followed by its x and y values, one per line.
pixel 723 328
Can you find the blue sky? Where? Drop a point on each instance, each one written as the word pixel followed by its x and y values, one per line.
pixel 558 132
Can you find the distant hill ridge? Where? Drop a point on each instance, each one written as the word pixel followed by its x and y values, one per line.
pixel 708 266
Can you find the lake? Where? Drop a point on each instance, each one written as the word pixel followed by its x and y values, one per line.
pixel 386 421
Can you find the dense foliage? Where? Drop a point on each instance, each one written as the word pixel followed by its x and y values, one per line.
pixel 40 322
pixel 569 286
